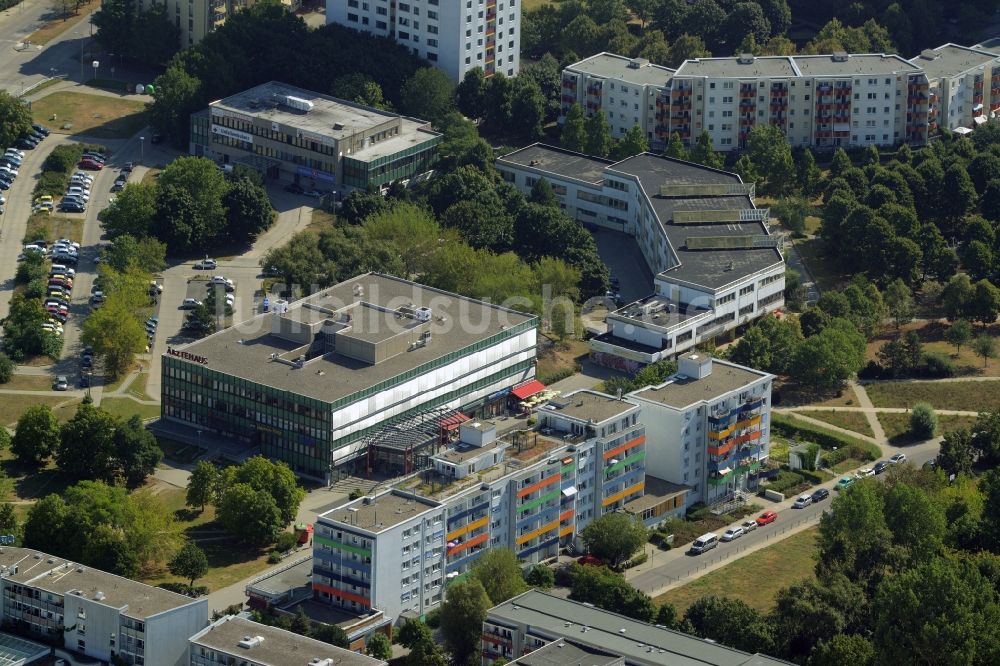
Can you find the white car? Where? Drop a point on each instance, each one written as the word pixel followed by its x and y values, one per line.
pixel 206 264
pixel 219 279
pixel 732 533
pixel 15 151
pixel 9 170
pixel 802 501
pixel 3 200
pixel 230 300
pixel 749 526
pixel 66 241
pixel 34 248
pixel 867 471
pixel 83 175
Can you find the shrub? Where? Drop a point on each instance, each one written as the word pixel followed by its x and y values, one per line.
pixel 7 368
pixel 52 345
pixel 871 371
pixel 36 288
pixel 923 421
pixel 937 364
pixel 355 494
pixel 540 576
pixel 274 557
pixel 786 480
pixel 637 560
pixel 286 542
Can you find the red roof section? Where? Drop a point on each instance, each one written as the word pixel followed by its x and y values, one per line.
pixel 528 389
pixel 453 421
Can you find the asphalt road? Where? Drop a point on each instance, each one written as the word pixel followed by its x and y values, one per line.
pixel 668 569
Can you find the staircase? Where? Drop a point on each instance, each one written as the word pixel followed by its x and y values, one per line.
pixel 735 501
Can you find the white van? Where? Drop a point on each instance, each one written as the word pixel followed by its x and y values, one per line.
pixel 703 543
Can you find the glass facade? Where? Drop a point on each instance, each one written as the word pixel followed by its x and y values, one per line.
pixel 384 170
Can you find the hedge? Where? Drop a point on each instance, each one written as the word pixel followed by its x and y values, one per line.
pixel 789 427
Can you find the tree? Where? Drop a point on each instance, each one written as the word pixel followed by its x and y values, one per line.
pixel 958 334
pixel 500 574
pixel 731 622
pixel 843 649
pixel 189 563
pixel 540 576
pixel 132 211
pixel 687 47
pixel 704 153
pixel 201 484
pixel 527 108
pixel 462 616
pixel 147 254
pixel 956 296
pixel 155 37
pixel 957 454
pixel 275 479
pixel 632 143
pixel 609 590
pixel 189 207
pixel 9 525
pixel 771 155
pixel 899 300
pixel 136 451
pixel 115 333
pixel 808 174
pixel 36 435
pixel 428 94
pixel 923 421
pixel 251 515
pixel 984 345
pixel 15 118
pixel 958 195
pixel 574 130
pixel 598 135
pixel 614 537
pixel 248 211
pixel 332 634
pixel 414 632
pixel 86 449
pixel 666 615
pixel 985 303
pixel 746 20
pixel 542 193
pixel 379 647
pixel 830 357
pixel 753 350
pixel 942 607
pixel 7 368
pixel 470 95
pixel 675 148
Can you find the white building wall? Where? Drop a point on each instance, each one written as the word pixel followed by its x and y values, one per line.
pixel 90 625
pixel 665 442
pixel 167 633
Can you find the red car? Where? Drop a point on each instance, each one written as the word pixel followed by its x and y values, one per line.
pixel 767 517
pixel 591 560
pixel 91 165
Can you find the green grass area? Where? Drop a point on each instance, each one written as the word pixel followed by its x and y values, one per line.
pixel 93 115
pixel 57 26
pixel 28 383
pixel 126 407
pixel 137 388
pixel 48 83
pixel 790 426
pixel 964 396
pixel 13 405
pixel 321 220
pixel 897 426
pixel 50 227
pixel 786 562
pixel 855 421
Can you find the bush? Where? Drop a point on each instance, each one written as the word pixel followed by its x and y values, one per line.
pixel 286 542
pixel 52 345
pixel 7 368
pixel 274 557
pixel 937 364
pixel 811 477
pixel 923 421
pixel 636 561
pixel 433 619
pixel 182 588
pixel 540 576
pixel 871 371
pixel 36 288
pixel 786 480
pixel 355 494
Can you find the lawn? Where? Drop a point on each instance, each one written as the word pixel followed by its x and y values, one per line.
pixel 560 360
pixel 13 405
pixel 321 221
pixel 787 561
pixel 56 27
pixel 28 383
pixel 855 421
pixel 897 426
pixel 94 115
pixel 965 396
pixel 932 336
pixel 790 395
pixel 51 227
pixel 137 388
pixel 126 407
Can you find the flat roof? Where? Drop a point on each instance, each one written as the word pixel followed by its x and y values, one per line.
pixel 279 647
pixel 584 405
pixel 663 317
pixel 680 391
pixel 759 67
pixel 640 642
pixel 565 163
pixel 388 509
pixel 638 71
pixel 462 451
pixel 136 599
pixel 717 268
pixel 857 64
pixel 15 650
pixel 565 652
pixel 950 60
pixel 245 349
pixel 654 493
pixel 283 580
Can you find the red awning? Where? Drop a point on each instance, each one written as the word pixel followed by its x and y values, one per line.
pixel 528 389
pixel 453 421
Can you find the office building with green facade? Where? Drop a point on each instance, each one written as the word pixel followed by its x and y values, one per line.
pixel 320 142
pixel 310 380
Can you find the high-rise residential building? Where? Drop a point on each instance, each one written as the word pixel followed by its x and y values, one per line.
pixel 233 640
pixel 197 18
pixel 529 491
pixel 96 614
pixel 453 35
pixel 318 381
pixel 715 264
pixel 964 85
pixel 625 89
pixel 708 427
pixel 541 629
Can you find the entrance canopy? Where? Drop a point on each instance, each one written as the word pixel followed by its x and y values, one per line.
pixel 528 389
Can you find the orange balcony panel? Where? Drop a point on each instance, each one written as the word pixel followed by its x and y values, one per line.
pixel 625 493
pixel 641 439
pixel 722 450
pixel 566 515
pixel 475 541
pixel 565 531
pixel 525 538
pixel 538 486
pixel 350 596
pixel 474 525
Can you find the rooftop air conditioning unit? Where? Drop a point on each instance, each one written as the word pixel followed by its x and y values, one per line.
pixel 298 103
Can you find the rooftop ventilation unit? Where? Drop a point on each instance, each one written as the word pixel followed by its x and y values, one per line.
pixel 745 58
pixel 100 596
pixel 298 103
pixel 840 56
pixel 251 641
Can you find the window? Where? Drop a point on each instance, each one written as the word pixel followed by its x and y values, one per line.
pixel 352 17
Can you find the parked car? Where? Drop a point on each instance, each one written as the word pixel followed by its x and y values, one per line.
pixel 15 152
pixel 97 298
pixel 157 138
pixel 898 458
pixel 767 518
pixel 91 165
pixel 844 483
pixel 271 271
pixel 44 131
pixel 802 501
pixel 863 472
pixel 61 384
pixel 25 144
pixel 748 526
pixel 820 495
pixel 206 264
pixel 190 303
pixel 84 176
pixel 316 194
pixel 220 279
pixel 732 534
pixel 590 560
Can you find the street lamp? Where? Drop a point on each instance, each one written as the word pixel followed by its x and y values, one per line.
pixel 96 64
pixel 142 141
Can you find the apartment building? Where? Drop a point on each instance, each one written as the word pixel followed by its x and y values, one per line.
pixel 530 491
pixel 197 18
pixel 822 101
pixel 453 35
pixel 94 613
pixel 235 640
pixel 321 142
pixel 708 427
pixel 963 85
pixel 309 381
pixel 716 266
pixel 625 89
pixel 540 629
